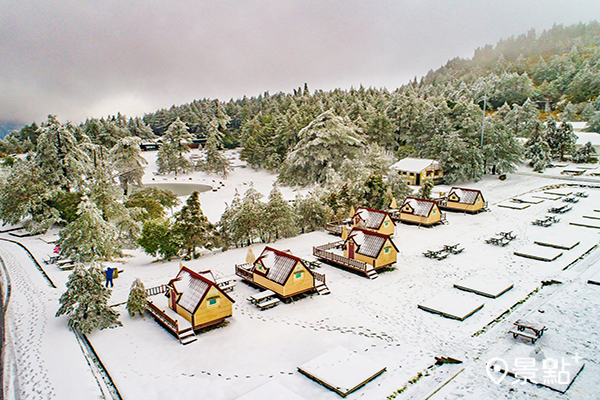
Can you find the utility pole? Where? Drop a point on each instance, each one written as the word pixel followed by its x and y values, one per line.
pixel 483 119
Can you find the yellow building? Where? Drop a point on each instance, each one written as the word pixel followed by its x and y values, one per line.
pixel 196 297
pixel 370 247
pixel 421 212
pixel 281 272
pixel 415 170
pixel 373 220
pixel 462 199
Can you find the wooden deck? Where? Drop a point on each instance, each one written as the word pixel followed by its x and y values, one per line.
pixel 243 271
pixel 185 335
pixel 323 252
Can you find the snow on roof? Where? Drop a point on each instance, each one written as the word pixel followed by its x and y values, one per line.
pixel 279 264
pixel 420 207
pixel 415 164
pixel 465 196
pixel 373 218
pixel 369 243
pixel 584 137
pixel 191 287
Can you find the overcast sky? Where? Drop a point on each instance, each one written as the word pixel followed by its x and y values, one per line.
pixel 85 58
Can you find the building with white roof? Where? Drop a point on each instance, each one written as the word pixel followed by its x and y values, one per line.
pixel 415 170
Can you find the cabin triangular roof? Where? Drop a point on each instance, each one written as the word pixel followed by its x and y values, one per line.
pixel 193 287
pixel 465 196
pixel 420 207
pixel 369 243
pixel 279 264
pixel 373 218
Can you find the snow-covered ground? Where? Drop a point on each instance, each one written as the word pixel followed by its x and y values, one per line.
pixel 378 319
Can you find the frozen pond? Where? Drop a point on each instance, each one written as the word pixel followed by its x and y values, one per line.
pixel 181 189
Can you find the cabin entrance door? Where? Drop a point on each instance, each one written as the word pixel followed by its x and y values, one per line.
pixel 417 178
pixel 351 250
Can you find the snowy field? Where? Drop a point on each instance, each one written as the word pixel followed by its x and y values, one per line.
pixel 378 319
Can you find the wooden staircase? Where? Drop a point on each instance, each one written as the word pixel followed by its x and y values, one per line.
pixel 372 274
pixel 186 336
pixel 322 289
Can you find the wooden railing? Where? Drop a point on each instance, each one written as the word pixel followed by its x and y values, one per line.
pixel 243 272
pixel 329 246
pixel 341 260
pixel 156 290
pixel 336 227
pixel 319 277
pixel 159 314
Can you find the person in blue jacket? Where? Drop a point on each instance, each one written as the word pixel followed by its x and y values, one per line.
pixel 109 276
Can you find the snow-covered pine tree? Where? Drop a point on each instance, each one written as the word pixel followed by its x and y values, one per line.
pixel 325 143
pixel 538 153
pixel 137 300
pixel 85 303
pixel 279 216
pixel 228 222
pixel 193 228
pixel 214 162
pixel 158 238
pixel 171 155
pixel 249 222
pixel 126 157
pixel 59 157
pixel 425 190
pixel 584 153
pixel 89 238
pixel 311 213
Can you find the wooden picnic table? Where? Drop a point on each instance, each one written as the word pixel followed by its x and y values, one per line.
pixel 522 325
pixel 264 300
pixel 453 248
pixel 226 284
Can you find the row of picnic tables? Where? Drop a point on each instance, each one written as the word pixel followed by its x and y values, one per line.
pixel 444 252
pixel 502 238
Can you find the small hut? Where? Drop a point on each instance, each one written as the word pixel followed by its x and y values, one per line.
pixel 281 272
pixel 463 199
pixel 373 220
pixel 197 298
pixel 416 170
pixel 421 211
pixel 370 247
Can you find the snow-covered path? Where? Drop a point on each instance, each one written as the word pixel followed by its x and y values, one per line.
pixel 43 360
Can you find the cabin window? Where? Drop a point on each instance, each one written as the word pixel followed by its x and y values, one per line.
pixel 213 301
pixel 433 212
pixel 386 223
pixel 386 250
pixel 298 275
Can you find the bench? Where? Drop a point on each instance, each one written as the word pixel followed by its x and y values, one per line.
pixel 51 259
pixel 517 333
pixel 268 304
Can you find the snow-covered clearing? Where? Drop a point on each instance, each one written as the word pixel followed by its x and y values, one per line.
pixel 378 319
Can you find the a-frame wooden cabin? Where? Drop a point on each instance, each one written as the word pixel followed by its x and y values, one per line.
pixel 375 249
pixel 282 272
pixel 464 200
pixel 421 211
pixel 373 220
pixel 196 297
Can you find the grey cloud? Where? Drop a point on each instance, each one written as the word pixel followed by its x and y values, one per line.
pixel 84 58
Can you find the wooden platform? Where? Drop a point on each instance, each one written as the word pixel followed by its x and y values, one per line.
pixel 528 199
pixel 451 304
pixel 586 223
pixel 559 192
pixel 546 196
pixel 559 242
pixel 540 253
pixel 507 363
pixel 341 370
pixel 514 206
pixel 484 287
